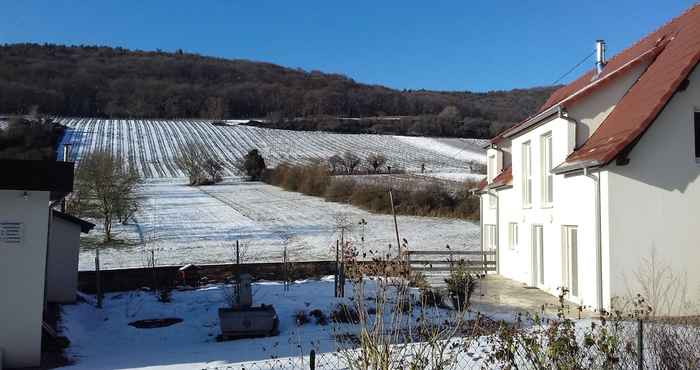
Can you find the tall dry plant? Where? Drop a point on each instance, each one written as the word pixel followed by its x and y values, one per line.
pixel 394 328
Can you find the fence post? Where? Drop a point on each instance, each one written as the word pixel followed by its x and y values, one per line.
pixel 312 360
pixel 98 282
pixel 336 276
pixel 640 344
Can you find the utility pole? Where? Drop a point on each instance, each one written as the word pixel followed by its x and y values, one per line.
pixel 396 225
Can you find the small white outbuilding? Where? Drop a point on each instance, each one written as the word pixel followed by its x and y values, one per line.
pixel 62 263
pixel 27 189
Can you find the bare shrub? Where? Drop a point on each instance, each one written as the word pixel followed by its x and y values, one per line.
pixel 434 200
pixel 351 161
pixel 376 161
pixel 301 318
pixel 321 318
pixel 345 314
pixel 461 285
pixel 198 163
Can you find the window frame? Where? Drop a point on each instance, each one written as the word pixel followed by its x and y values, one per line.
pixel 491 168
pixel 526 173
pixel 513 236
pixel 570 260
pixel 489 236
pixel 546 176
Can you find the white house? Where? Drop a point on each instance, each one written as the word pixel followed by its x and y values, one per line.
pixel 604 176
pixel 26 190
pixel 62 262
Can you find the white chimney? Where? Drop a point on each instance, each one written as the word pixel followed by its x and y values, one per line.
pixel 599 56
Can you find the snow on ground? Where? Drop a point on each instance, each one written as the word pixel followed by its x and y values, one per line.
pixel 455 176
pixel 462 149
pixel 102 339
pixel 201 224
pixel 151 146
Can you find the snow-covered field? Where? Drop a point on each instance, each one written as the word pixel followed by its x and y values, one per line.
pixel 201 224
pixel 151 145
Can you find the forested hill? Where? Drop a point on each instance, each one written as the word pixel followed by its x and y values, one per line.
pixel 116 82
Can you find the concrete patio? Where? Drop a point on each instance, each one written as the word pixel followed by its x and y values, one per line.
pixel 496 294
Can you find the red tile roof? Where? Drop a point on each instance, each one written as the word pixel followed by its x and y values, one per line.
pixel 676 49
pixel 673 49
pixel 505 178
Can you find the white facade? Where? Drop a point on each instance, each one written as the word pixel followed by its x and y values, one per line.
pixel 651 203
pixel 62 265
pixel 22 275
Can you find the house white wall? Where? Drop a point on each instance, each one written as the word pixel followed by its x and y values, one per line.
pixel 62 264
pixel 22 276
pixel 655 205
pixel 573 205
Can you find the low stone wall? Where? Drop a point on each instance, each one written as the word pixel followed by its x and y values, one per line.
pixel 135 278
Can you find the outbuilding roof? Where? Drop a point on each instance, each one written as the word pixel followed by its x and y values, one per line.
pixel 85 226
pixel 54 177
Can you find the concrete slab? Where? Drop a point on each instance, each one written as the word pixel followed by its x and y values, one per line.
pixel 496 294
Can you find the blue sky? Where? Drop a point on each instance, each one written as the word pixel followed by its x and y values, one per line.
pixel 442 45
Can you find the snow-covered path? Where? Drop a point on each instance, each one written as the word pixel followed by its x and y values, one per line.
pixel 201 224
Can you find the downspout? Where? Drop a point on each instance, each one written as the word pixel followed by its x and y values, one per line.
pixel 598 238
pixel 498 229
pixel 481 223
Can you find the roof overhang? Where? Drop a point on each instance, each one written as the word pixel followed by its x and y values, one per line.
pixel 32 175
pixel 85 226
pixel 585 90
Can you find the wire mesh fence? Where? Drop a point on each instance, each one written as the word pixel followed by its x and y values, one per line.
pixel 623 344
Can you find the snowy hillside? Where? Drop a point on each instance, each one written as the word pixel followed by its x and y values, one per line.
pixel 151 145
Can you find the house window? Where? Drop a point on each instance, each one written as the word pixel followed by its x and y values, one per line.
pixel 512 235
pixel 697 135
pixel 492 200
pixel 489 237
pixel 491 168
pixel 570 260
pixel 527 174
pixel 547 195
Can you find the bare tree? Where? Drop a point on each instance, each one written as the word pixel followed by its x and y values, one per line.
pixel 105 184
pixel 199 164
pixel 336 163
pixel 376 161
pixel 351 161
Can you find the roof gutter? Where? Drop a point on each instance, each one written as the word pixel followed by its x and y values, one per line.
pixel 549 112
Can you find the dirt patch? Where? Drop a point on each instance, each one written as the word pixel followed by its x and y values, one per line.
pixel 155 323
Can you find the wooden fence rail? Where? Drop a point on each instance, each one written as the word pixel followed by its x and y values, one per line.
pixel 445 261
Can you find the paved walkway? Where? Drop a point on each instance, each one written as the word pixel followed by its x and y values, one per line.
pixel 496 295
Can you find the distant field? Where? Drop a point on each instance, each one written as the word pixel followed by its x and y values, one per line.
pixel 186 224
pixel 150 146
